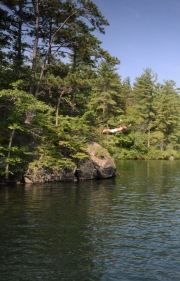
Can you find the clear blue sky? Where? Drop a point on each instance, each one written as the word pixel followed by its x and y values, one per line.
pixel 143 34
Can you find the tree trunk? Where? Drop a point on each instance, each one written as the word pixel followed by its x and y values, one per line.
pixel 50 37
pixel 9 155
pixel 35 48
pixel 148 139
pixel 57 107
pixel 19 40
pixel 30 114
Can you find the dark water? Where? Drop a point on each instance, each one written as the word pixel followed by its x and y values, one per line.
pixel 126 228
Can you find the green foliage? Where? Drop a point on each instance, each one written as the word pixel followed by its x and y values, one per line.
pixel 106 100
pixel 129 154
pixel 55 101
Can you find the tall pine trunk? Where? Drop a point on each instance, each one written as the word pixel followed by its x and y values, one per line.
pixel 31 113
pixel 33 72
pixel 9 155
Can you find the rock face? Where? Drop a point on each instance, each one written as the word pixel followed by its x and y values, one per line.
pixel 42 175
pixel 98 165
pixel 86 170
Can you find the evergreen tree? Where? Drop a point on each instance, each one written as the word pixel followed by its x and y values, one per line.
pixel 144 90
pixel 14 28
pixel 107 100
pixel 167 116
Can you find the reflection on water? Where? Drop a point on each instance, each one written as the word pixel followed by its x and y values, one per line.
pixel 125 228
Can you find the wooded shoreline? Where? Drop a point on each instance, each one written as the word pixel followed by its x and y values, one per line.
pixel 59 89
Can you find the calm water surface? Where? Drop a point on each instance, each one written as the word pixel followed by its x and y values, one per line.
pixel 126 228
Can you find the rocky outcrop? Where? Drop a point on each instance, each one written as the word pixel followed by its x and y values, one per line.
pixel 42 175
pixel 99 164
pixel 86 170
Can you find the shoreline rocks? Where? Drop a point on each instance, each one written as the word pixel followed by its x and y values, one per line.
pixel 99 164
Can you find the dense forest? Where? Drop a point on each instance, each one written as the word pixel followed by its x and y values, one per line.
pixel 59 89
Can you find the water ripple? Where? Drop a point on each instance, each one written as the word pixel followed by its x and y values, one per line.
pixel 126 228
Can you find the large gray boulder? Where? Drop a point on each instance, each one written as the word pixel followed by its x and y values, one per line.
pixel 86 170
pixel 99 164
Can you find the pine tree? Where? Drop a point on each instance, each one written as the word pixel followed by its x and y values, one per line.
pixel 144 90
pixel 15 16
pixel 107 100
pixel 167 116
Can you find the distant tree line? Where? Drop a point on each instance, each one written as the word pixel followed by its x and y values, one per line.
pixel 59 89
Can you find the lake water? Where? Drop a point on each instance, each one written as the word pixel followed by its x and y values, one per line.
pixel 125 228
